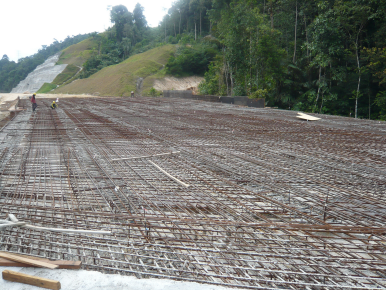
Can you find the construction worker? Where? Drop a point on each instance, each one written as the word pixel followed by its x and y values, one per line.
pixel 33 101
pixel 54 105
pixel 132 94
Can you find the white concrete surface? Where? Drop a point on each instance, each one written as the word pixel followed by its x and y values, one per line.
pixel 44 73
pixel 92 280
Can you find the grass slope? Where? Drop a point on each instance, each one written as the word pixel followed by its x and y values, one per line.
pixel 68 73
pixel 78 53
pixel 121 79
pixel 46 87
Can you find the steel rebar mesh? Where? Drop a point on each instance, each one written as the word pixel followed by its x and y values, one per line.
pixel 271 202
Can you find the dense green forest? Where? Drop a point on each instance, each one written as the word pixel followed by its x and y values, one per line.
pixel 11 73
pixel 315 56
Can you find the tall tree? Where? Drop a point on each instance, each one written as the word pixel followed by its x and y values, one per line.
pixel 377 66
pixel 138 17
pixel 353 16
pixel 325 44
pixel 252 56
pixel 119 15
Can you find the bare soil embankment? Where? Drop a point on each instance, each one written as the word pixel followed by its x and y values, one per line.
pixel 173 83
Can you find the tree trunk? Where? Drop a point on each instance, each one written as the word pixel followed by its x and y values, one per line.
pixel 296 26
pixel 369 106
pixel 257 64
pixel 305 28
pixel 179 26
pixel 257 78
pixel 321 106
pixel 330 74
pixel 359 68
pixel 317 97
pixel 359 80
pixel 195 31
pixel 357 96
pixel 200 23
pixel 175 34
pixel 226 78
pixel 226 66
pixel 271 13
pixel 231 75
pixel 250 61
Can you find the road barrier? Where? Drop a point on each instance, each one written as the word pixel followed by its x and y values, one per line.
pixel 240 101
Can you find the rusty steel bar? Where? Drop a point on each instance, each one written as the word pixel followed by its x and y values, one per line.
pixel 272 202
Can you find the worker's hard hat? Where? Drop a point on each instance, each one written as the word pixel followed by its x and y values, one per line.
pixel 54 102
pixel 34 94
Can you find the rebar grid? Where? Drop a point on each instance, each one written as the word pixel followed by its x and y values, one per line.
pixel 195 191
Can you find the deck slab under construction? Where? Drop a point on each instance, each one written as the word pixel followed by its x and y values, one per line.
pixel 196 191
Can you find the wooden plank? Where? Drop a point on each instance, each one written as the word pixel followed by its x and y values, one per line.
pixel 63 264
pixel 31 280
pixel 29 261
pixel 307 117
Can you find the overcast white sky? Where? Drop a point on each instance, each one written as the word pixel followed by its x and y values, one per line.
pixel 26 25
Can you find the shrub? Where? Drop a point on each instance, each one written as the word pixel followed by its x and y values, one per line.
pixel 191 60
pixel 260 93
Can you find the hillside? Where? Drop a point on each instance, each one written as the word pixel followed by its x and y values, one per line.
pixel 42 74
pixel 74 56
pixel 12 73
pixel 78 53
pixel 137 73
